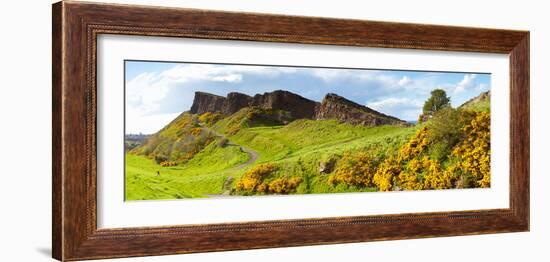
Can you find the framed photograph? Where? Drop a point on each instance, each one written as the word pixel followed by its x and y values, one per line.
pixel 182 130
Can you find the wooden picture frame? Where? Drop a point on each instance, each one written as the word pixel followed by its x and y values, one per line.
pixel 76 26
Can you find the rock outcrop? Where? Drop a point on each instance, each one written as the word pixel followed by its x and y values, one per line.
pixel 332 107
pixel 297 106
pixel 337 107
pixel 206 102
pixel 235 102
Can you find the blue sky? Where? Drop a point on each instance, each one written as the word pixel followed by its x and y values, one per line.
pixel 156 92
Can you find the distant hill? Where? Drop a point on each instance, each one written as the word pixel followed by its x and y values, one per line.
pixel 482 102
pixel 332 107
pixel 135 137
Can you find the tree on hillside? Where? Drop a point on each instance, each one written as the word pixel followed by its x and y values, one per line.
pixel 437 101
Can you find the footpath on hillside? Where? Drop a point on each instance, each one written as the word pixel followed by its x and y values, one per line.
pixel 253 156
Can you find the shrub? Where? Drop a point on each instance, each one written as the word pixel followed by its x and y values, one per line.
pixel 355 168
pixel 254 177
pixel 474 153
pixel 408 179
pixel 446 130
pixel 435 177
pixel 385 174
pixel 452 150
pixel 168 164
pixel 210 118
pixel 233 129
pixel 283 185
pixel 222 142
pixel 415 146
pixel 411 169
pixel 160 158
pixel 196 131
pixel 263 188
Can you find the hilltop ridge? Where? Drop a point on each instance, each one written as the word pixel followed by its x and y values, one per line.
pixel 332 107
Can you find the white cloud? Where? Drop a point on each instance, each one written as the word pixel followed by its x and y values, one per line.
pixel 196 72
pixel 361 82
pixel 146 124
pixel 466 83
pixel 233 78
pixel 147 90
pixel 405 80
pixel 146 93
pixel 403 108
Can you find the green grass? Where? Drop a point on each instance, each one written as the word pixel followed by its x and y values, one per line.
pixel 296 148
pixel 480 106
pixel 299 147
pixel 204 174
pixel 305 137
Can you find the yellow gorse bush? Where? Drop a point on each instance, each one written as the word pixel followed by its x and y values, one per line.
pixel 435 177
pixel 385 174
pixel 281 185
pixel 168 164
pixel 416 145
pixel 474 153
pixel 355 169
pixel 196 131
pixel 411 168
pixel 254 181
pixel 408 179
pixel 388 173
pixel 210 118
pixel 254 177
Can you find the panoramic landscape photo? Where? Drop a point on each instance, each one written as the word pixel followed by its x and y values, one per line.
pixel 203 130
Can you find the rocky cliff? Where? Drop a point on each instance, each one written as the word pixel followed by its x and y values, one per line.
pixel 235 102
pixel 206 102
pixel 299 107
pixel 337 107
pixel 332 107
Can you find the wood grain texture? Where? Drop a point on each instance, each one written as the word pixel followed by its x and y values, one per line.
pixel 519 129
pixel 76 27
pixel 57 195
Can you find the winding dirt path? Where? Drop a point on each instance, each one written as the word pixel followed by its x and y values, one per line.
pixel 253 156
pixel 251 153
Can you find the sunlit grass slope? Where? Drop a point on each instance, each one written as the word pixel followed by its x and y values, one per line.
pixel 297 148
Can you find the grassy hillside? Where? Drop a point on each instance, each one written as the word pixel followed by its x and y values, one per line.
pixel 198 177
pixel 481 103
pixel 252 117
pixel 178 142
pixel 298 148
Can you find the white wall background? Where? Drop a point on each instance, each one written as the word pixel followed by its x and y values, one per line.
pixel 25 147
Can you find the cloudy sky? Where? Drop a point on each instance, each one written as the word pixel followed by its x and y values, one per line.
pixel 157 92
